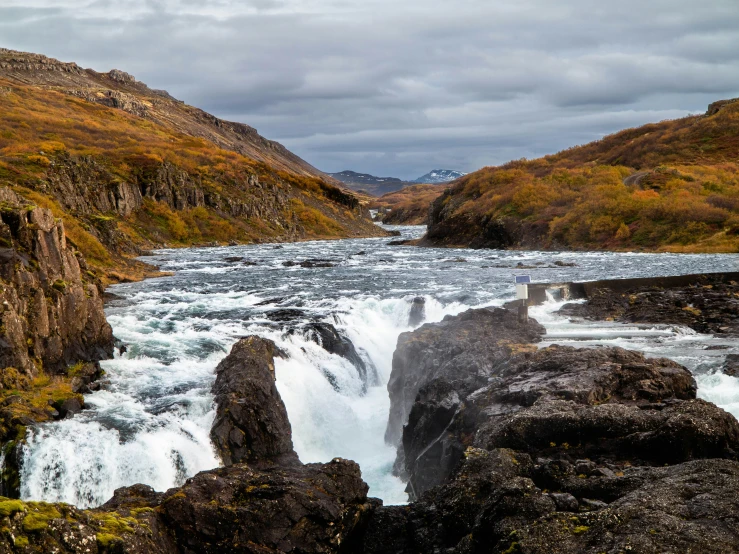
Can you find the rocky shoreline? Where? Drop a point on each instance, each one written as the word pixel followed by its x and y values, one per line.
pixel 707 303
pixel 505 446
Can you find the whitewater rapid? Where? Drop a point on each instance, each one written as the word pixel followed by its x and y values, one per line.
pixel 150 424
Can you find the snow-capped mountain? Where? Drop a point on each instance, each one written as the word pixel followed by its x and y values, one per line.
pixel 369 183
pixel 440 176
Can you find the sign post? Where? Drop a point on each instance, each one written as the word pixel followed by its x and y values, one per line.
pixel 522 295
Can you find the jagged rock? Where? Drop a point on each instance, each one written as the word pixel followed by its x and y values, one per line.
pixel 69 408
pixel 447 417
pixel 286 314
pixel 731 365
pixel 675 433
pixel 709 305
pixel 468 349
pixel 309 264
pixel 633 460
pixel 495 504
pixel 251 423
pixel 85 377
pixel 334 342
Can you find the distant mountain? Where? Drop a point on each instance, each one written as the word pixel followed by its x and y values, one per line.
pixel 376 186
pixel 440 176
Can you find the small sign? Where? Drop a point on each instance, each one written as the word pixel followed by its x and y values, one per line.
pixel 523 279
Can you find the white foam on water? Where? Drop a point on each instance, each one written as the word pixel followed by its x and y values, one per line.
pixel 326 422
pixel 151 423
pixel 722 390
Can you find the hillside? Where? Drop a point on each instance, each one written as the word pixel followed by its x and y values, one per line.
pixel 128 168
pixel 671 186
pixel 408 206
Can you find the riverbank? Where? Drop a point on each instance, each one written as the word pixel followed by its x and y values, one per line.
pixel 706 303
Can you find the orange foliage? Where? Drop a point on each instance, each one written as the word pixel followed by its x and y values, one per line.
pixel 684 198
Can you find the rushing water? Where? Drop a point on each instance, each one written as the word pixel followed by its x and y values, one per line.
pixel 151 423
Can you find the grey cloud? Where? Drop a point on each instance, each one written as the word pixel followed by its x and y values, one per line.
pixel 398 88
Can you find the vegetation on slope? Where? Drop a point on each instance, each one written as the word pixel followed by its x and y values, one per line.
pixel 66 154
pixel 669 186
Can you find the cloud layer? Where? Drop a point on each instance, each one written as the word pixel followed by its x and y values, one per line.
pixel 398 88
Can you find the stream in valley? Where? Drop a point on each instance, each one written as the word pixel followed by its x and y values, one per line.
pixel 151 422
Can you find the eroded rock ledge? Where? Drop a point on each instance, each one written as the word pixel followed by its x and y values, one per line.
pixel 707 303
pixel 52 326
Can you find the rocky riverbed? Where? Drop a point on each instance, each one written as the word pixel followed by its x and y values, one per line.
pixel 507 447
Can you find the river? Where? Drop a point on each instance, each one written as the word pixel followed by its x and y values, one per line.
pixel 151 422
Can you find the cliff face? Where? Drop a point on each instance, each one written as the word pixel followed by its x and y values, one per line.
pixel 52 309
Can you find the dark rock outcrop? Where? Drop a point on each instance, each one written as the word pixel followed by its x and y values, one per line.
pixel 418 311
pixel 251 424
pixel 466 350
pixel 334 342
pixel 306 508
pixel 497 504
pixel 707 303
pixel 559 450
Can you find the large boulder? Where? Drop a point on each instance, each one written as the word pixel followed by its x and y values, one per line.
pixel 251 424
pixel 446 418
pixel 303 508
pixel 466 349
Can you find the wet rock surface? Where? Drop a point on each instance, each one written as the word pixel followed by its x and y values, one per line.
pixel 709 305
pixel 418 311
pixel 434 369
pixel 466 348
pixel 334 342
pixel 557 450
pixel 251 424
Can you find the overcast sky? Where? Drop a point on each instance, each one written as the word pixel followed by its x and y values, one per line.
pixel 399 87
